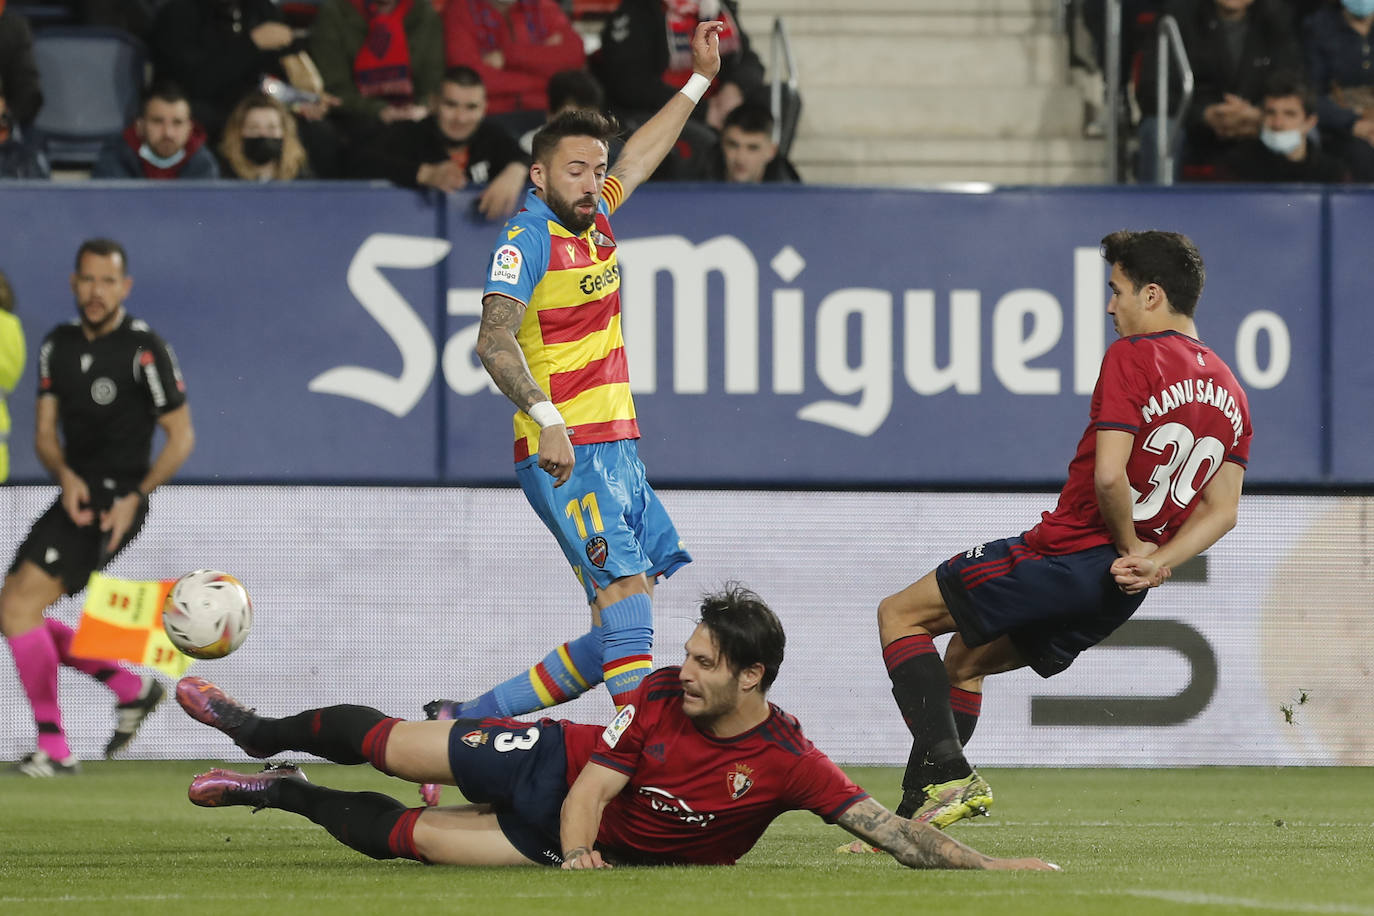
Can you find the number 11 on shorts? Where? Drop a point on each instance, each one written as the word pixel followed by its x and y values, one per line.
pixel 574 510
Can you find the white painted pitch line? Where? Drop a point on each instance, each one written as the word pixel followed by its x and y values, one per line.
pixel 1190 898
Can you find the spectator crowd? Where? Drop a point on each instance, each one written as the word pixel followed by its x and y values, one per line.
pixel 441 94
pixel 446 94
pixel 1283 90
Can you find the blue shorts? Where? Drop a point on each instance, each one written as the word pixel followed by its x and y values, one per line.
pixel 1051 607
pixel 520 769
pixel 607 518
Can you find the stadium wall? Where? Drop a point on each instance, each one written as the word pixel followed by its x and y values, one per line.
pixel 851 341
pixel 851 338
pixel 394 596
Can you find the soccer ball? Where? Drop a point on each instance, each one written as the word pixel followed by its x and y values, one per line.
pixel 207 614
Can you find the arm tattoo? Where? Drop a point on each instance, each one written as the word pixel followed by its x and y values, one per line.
pixel 914 845
pixel 500 352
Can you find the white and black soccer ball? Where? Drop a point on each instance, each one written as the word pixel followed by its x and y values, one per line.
pixel 207 614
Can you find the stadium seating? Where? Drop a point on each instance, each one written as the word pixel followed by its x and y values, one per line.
pixel 92 79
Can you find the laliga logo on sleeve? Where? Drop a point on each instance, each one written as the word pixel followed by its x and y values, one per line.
pixel 505 264
pixel 618 725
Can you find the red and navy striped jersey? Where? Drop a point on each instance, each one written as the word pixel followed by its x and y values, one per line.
pixel 696 799
pixel 1188 415
pixel 570 334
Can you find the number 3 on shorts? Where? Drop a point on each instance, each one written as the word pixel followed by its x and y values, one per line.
pixel 514 741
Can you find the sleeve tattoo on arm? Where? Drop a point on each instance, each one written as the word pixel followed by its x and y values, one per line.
pixel 500 352
pixel 914 845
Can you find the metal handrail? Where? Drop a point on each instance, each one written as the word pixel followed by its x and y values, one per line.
pixel 1166 128
pixel 780 51
pixel 1111 63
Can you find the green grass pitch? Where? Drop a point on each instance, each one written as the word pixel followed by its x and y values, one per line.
pixel 122 839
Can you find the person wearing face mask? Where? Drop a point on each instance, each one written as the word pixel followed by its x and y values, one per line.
pixel 260 142
pixel 162 144
pixel 1340 67
pixel 1233 46
pixel 1282 151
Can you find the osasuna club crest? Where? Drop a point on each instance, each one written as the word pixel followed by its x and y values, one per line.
pixel 475 738
pixel 596 552
pixel 738 780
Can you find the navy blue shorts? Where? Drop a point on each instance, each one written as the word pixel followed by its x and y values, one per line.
pixel 1051 607
pixel 520 769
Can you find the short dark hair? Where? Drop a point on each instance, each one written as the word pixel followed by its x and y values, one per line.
pixel 746 631
pixel 578 122
pixel 751 118
pixel 103 248
pixel 1283 83
pixel 463 76
pixel 164 91
pixel 577 88
pixel 6 294
pixel 1168 259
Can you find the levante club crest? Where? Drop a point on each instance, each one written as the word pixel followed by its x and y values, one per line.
pixel 596 552
pixel 738 780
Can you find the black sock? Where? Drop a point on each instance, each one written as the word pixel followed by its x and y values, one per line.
pixel 336 733
pixel 966 706
pixel 364 821
pixel 921 688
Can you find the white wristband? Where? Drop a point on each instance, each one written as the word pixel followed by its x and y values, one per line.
pixel 696 87
pixel 545 414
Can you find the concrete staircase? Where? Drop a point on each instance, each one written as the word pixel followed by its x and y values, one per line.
pixel 918 92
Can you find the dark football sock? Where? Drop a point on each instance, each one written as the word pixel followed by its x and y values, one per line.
pixel 921 688
pixel 343 734
pixel 374 824
pixel 966 706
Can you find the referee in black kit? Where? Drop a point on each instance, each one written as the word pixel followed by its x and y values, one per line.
pixel 106 381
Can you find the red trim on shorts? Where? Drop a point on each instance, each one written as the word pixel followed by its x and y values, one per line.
pixel 973 576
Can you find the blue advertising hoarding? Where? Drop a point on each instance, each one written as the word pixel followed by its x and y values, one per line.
pixel 257 291
pixel 776 337
pixel 1352 330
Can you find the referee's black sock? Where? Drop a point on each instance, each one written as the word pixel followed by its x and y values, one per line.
pixel 921 688
pixel 374 824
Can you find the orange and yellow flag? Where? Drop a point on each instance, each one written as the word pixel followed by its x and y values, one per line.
pixel 122 619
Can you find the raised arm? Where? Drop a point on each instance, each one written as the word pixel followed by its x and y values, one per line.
pixel 593 789
pixel 504 361
pixel 921 845
pixel 646 147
